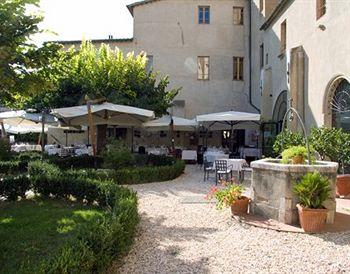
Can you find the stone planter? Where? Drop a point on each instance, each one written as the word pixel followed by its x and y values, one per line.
pixel 272 195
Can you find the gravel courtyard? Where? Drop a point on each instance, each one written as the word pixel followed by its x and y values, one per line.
pixel 181 233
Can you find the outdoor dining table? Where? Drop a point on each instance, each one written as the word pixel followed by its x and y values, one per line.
pixel 189 155
pixel 212 156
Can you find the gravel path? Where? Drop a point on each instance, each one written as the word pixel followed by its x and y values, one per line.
pixel 181 233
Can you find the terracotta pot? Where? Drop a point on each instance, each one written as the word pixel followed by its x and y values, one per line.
pixel 298 160
pixel 240 207
pixel 312 220
pixel 343 185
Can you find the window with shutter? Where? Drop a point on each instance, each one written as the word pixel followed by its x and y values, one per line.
pixel 203 67
pixel 204 15
pixel 238 68
pixel 320 8
pixel 238 14
pixel 261 5
pixel 283 36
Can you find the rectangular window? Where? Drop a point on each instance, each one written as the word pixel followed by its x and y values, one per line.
pixel 149 64
pixel 204 15
pixel 261 55
pixel 283 36
pixel 320 8
pixel 238 68
pixel 261 5
pixel 203 63
pixel 238 14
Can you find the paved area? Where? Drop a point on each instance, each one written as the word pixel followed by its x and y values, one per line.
pixel 180 232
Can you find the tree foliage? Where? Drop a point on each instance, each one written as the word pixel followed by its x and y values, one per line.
pixel 24 66
pixel 106 73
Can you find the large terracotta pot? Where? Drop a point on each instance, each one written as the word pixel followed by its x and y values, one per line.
pixel 240 207
pixel 343 185
pixel 298 160
pixel 312 220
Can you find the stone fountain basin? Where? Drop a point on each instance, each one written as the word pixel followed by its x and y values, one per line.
pixel 271 188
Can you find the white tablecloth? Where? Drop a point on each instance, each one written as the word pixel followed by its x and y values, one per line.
pixel 234 164
pixel 22 148
pixel 189 155
pixel 211 157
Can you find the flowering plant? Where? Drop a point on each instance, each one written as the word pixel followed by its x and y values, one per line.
pixel 227 194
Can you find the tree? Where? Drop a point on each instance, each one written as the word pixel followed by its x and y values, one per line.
pixel 107 73
pixel 24 66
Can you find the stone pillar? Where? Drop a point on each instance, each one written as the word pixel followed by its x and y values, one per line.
pixel 297 83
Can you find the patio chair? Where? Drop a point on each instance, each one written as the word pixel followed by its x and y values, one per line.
pixel 221 168
pixel 207 167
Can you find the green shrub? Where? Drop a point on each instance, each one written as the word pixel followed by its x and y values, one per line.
pixel 12 167
pixel 141 175
pixel 12 187
pixel 5 149
pixel 332 143
pixel 291 152
pixel 117 156
pixel 100 242
pixel 83 161
pixel 28 156
pixel 290 139
pixel 312 190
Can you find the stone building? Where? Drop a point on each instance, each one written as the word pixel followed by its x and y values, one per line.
pixel 301 58
pixel 249 55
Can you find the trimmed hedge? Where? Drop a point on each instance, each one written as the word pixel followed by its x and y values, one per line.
pixel 108 237
pixel 97 243
pixel 136 175
pixel 83 161
pixel 12 187
pixel 12 167
pixel 143 175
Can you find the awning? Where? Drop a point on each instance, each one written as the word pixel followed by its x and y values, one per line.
pixel 164 123
pixel 106 113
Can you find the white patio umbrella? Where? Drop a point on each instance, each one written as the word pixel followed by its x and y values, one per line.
pixel 106 113
pixel 226 120
pixel 164 123
pixel 229 118
pixel 23 129
pixel 103 114
pixel 21 122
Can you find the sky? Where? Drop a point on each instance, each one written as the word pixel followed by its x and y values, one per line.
pixel 89 19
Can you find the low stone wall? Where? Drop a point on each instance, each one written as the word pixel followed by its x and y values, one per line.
pixel 272 182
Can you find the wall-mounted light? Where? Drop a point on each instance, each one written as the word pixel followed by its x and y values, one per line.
pixel 322 27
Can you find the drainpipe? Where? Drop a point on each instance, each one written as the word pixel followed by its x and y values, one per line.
pixel 250 58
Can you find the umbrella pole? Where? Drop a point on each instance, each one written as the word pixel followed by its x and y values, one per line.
pixel 231 143
pixel 42 131
pixel 92 129
pixel 3 131
pixel 172 135
pixel 132 139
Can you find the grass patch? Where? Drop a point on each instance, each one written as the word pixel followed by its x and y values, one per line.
pixel 33 230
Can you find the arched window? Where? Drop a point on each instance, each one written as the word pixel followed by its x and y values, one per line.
pixel 340 106
pixel 280 108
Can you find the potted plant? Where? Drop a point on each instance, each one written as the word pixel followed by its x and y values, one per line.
pixel 334 144
pixel 312 191
pixel 295 155
pixel 230 195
